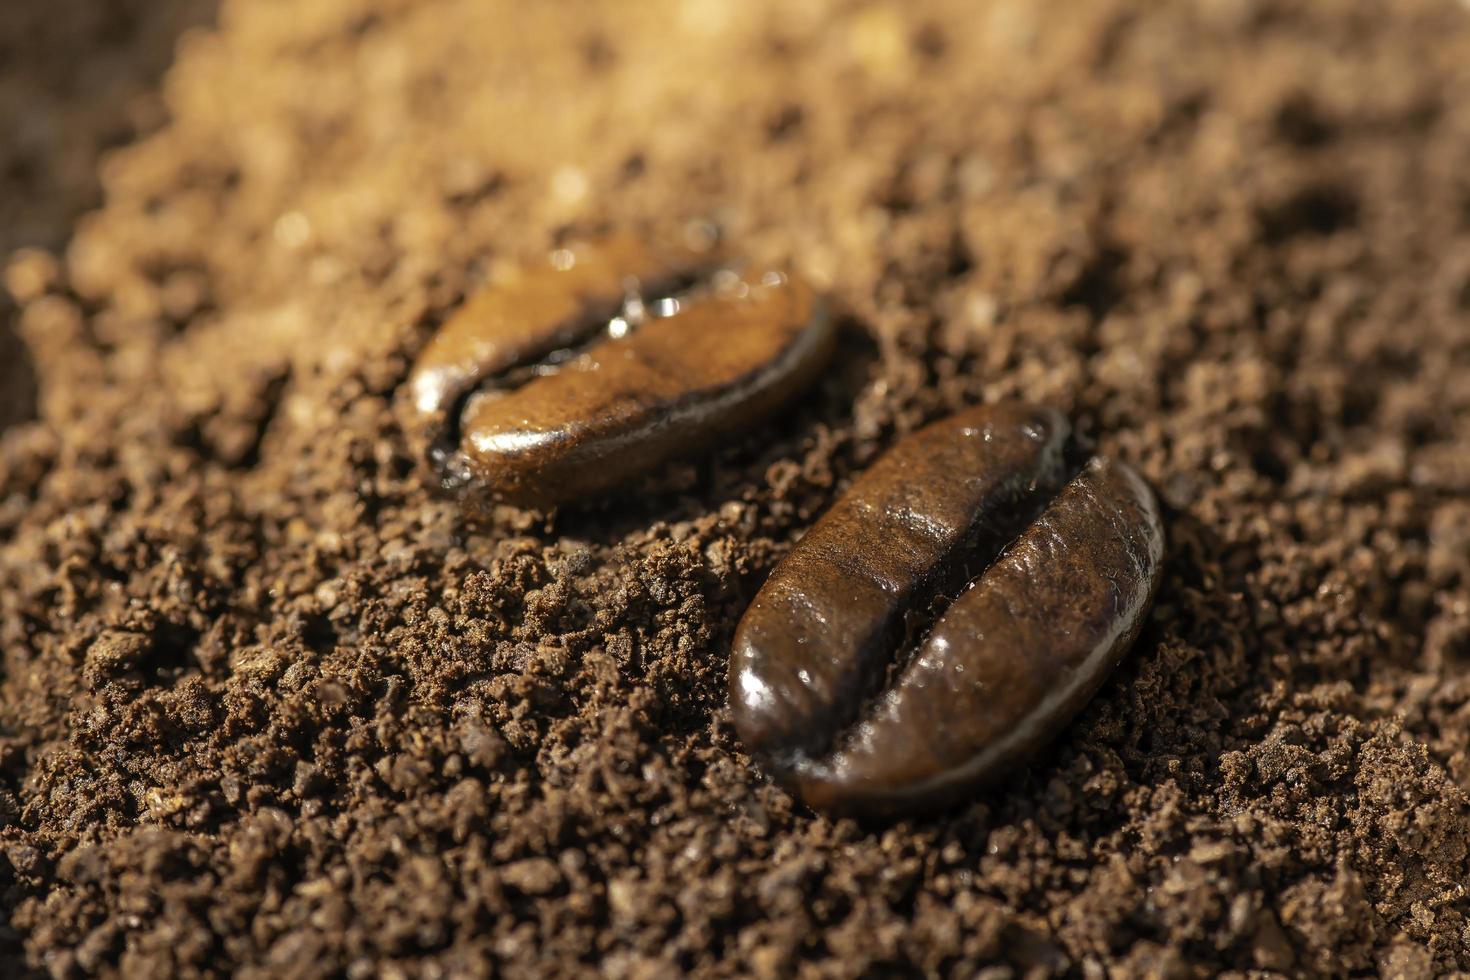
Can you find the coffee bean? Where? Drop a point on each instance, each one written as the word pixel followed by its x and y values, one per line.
pixel 575 376
pixel 840 684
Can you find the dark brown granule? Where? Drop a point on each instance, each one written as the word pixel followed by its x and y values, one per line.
pixel 267 708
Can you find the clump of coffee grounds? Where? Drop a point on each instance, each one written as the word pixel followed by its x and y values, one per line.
pixel 271 708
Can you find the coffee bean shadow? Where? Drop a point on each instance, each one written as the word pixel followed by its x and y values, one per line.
pixel 691 488
pixel 18 387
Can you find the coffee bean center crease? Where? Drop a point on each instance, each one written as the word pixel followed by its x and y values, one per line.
pixel 840 683
pixel 576 376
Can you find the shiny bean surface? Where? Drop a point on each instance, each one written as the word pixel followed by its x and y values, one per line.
pixel 576 376
pixel 843 686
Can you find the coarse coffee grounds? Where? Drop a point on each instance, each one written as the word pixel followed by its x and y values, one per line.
pixel 271 708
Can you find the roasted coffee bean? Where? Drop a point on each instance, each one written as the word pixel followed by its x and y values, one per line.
pixel 1052 568
pixel 576 376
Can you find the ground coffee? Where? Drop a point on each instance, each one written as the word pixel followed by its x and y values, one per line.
pixel 268 707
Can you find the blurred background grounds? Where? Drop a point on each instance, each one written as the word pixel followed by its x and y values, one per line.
pixel 77 77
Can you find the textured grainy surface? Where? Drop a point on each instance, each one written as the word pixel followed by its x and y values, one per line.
pixel 268 708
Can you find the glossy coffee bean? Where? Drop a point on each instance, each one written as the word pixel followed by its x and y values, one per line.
pixel 576 376
pixel 840 685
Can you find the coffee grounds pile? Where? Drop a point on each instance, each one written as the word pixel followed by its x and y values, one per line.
pixel 270 707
